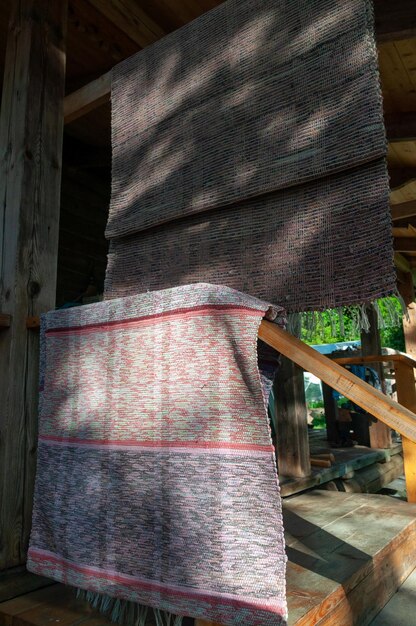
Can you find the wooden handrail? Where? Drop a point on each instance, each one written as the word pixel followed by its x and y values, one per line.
pixel 371 400
pixel 376 358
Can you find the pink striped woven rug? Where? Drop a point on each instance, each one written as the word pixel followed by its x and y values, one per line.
pixel 156 483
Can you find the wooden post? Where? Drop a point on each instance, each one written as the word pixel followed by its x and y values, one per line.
pixel 330 404
pixel 409 328
pixel 406 395
pixel 31 125
pixel 380 434
pixel 293 457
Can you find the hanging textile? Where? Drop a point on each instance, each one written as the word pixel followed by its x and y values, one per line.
pixel 156 483
pixel 249 150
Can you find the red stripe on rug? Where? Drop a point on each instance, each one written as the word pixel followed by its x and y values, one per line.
pixel 43 556
pixel 137 321
pixel 159 444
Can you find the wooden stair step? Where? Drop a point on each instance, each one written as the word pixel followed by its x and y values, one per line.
pixel 348 554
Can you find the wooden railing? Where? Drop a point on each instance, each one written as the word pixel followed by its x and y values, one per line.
pixel 401 417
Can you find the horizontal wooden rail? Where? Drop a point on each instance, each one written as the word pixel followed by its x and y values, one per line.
pixel 371 400
pixel 87 98
pixel 403 211
pixel 376 358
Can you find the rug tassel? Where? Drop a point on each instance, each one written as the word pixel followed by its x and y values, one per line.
pixel 125 612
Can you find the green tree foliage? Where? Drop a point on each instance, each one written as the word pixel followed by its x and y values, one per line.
pixel 336 326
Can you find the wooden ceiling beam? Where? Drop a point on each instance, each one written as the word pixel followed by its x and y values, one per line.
pixel 403 211
pixel 87 98
pixel 394 19
pixel 404 231
pixel 130 19
pixel 400 126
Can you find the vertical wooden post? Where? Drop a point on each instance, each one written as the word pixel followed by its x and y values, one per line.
pixel 332 433
pixel 406 395
pixel 293 456
pixel 380 434
pixel 409 328
pixel 31 126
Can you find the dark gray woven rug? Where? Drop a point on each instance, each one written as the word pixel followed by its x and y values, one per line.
pixel 248 150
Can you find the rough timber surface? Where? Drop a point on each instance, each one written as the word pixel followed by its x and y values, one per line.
pixel 347 460
pixel 348 553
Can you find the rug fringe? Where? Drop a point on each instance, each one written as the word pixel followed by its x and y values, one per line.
pixel 127 613
pixel 347 322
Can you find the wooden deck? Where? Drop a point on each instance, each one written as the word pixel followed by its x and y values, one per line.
pixel 348 461
pixel 348 553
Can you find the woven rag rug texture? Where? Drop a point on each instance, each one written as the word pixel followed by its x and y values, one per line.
pixel 156 479
pixel 249 150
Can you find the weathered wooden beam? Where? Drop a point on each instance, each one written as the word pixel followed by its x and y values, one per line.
pixel 406 395
pixel 293 454
pixel 131 19
pixel 380 434
pixel 400 126
pixel 404 231
pixel 87 98
pixel 409 329
pixel 394 20
pixel 331 415
pixel 31 125
pixel 403 211
pixel 337 377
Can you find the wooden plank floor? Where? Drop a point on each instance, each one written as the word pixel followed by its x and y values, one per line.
pixel 16 582
pixel 346 460
pixel 348 553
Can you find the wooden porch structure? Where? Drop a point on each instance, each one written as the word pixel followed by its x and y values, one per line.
pixel 55 91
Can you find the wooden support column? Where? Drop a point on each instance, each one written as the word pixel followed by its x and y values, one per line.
pixel 409 328
pixel 31 126
pixel 332 433
pixel 406 395
pixel 293 457
pixel 380 434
